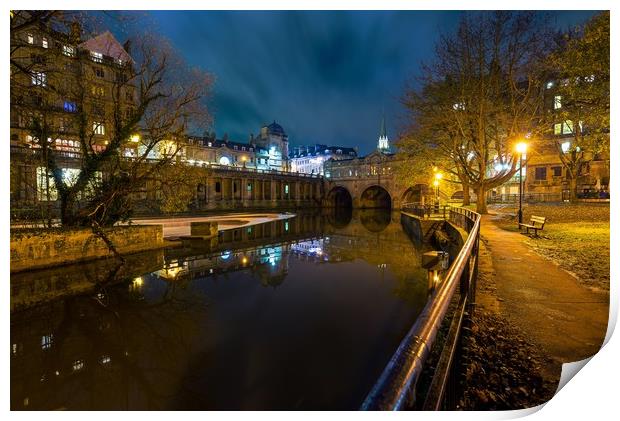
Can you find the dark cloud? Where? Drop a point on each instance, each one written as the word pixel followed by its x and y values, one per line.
pixel 325 76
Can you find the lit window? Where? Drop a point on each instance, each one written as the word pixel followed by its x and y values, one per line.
pixel 589 79
pixel 224 160
pixel 557 102
pixel 96 57
pixel 557 128
pixel 44 42
pixel 98 128
pixel 70 106
pixel 565 147
pixel 286 189
pixel 458 106
pixel 549 85
pixel 39 79
pixel 30 38
pixel 68 50
pixel 78 365
pixel 568 127
pixel 105 360
pixel 46 341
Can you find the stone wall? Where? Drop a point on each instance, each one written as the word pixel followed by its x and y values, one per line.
pixel 37 248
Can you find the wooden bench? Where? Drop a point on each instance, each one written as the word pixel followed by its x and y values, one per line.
pixel 536 223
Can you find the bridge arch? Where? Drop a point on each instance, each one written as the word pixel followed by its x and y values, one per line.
pixel 415 194
pixel 340 197
pixel 375 196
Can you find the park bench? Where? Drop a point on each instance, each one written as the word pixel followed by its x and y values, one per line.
pixel 536 223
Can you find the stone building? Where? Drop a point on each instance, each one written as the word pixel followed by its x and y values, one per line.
pixel 311 159
pixel 545 177
pixel 59 81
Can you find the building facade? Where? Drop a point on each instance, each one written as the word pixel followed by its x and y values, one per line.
pixel 311 159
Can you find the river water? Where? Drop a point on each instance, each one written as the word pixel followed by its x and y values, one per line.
pixel 296 314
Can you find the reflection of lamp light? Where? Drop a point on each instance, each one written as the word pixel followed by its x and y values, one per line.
pixel 436 183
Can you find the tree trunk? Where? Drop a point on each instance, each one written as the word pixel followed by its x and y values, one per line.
pixel 481 200
pixel 573 189
pixel 466 196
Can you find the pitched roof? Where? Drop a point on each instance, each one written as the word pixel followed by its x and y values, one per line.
pixel 107 45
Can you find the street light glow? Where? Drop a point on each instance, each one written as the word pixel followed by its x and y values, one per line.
pixel 438 176
pixel 521 147
pixel 436 183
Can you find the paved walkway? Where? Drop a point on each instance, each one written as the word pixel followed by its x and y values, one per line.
pixel 565 318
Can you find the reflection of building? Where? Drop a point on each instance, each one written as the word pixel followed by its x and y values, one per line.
pixel 310 159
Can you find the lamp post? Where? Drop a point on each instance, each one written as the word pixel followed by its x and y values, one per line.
pixel 438 176
pixel 521 148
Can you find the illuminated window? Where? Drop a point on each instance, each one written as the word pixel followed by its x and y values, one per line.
pixel 96 57
pixel 549 85
pixel 557 102
pixel 249 186
pixel 39 79
pixel 70 106
pixel 589 79
pixel 78 365
pixel 105 360
pixel 286 189
pixel 46 341
pixel 44 43
pixel 30 38
pixel 46 189
pixel 68 50
pixel 97 90
pixel 557 128
pixel 224 160
pixel 565 147
pixel 568 127
pixel 98 128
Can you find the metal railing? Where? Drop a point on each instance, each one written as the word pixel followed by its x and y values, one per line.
pixel 396 387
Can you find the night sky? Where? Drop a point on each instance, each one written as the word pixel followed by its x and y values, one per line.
pixel 326 77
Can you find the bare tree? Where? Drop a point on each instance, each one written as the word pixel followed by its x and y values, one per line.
pixel 127 113
pixel 480 96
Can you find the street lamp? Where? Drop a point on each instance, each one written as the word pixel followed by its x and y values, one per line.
pixel 438 176
pixel 521 148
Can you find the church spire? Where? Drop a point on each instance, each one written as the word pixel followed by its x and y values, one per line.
pixel 384 144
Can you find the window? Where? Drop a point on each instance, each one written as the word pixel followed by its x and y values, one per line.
pixel 565 147
pixel 46 341
pixel 98 128
pixel 78 365
pixel 557 171
pixel 249 186
pixel 218 187
pixel 96 57
pixel 557 102
pixel 589 79
pixel 568 127
pixel 30 38
pixel 286 189
pixel 44 43
pixel 64 125
pixel 99 72
pixel 70 106
pixel 557 128
pixel 68 50
pixel 541 173
pixel 549 85
pixel 39 79
pixel 224 160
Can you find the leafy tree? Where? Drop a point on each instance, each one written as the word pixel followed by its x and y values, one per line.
pixel 580 65
pixel 479 96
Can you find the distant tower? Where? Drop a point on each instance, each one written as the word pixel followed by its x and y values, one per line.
pixel 383 145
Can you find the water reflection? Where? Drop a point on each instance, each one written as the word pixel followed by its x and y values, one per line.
pixel 297 314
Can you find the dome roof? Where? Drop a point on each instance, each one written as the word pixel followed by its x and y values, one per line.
pixel 275 128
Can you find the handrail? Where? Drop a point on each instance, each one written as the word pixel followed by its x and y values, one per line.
pixel 396 386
